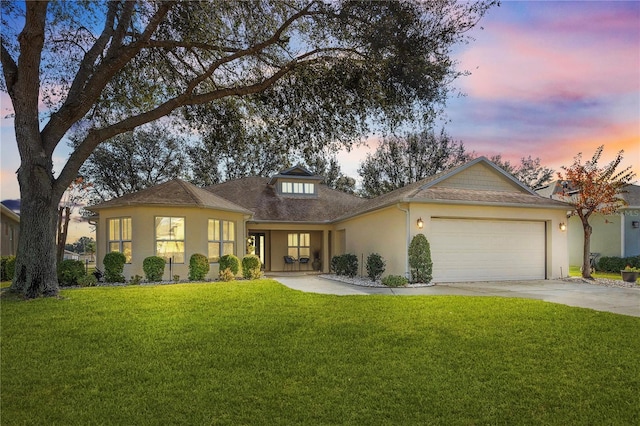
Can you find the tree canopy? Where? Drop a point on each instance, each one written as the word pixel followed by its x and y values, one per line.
pixel 307 73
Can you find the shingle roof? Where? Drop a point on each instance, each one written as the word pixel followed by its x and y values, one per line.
pixel 632 196
pixel 175 193
pixel 555 190
pixel 257 195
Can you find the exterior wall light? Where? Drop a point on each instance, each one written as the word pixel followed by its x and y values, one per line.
pixel 635 224
pixel 562 226
pixel 420 223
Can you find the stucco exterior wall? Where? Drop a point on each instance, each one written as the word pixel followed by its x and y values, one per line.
pixel 10 229
pixel 605 237
pixel 143 236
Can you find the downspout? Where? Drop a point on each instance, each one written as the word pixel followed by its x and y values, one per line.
pixel 406 253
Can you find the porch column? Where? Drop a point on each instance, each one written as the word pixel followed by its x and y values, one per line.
pixel 325 251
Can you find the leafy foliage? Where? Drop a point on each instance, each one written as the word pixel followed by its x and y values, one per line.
pixel 113 267
pixel 231 262
pixel 529 171
pixel 394 281
pixel 399 161
pixel 226 275
pixel 375 266
pixel 420 259
pixel 593 189
pixel 70 272
pixel 153 267
pixel 251 267
pixel 7 267
pixel 198 267
pixel 87 281
pixel 345 264
pixel 616 264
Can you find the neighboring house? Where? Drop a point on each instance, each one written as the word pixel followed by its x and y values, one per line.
pixel 10 231
pixel 613 235
pixel 71 255
pixel 481 222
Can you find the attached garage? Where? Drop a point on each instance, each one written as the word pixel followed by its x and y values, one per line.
pixel 487 249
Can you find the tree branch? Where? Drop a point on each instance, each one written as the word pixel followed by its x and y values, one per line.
pixel 9 68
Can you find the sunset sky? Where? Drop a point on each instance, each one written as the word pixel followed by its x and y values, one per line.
pixel 549 79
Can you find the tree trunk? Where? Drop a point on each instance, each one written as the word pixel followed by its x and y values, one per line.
pixel 35 273
pixel 64 214
pixel 586 250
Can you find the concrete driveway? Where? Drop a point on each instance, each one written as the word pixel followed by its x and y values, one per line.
pixel 625 301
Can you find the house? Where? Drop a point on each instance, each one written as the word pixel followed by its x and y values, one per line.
pixel 68 254
pixel 481 222
pixel 613 235
pixel 10 231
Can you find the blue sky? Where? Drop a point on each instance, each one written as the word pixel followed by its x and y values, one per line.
pixel 549 79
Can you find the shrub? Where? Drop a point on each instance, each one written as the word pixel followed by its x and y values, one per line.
pixel 345 264
pixel 394 281
pixel 153 267
pixel 420 259
pixel 231 262
pixel 87 281
pixel 616 264
pixel 198 267
pixel 7 267
pixel 226 275
pixel 375 266
pixel 135 280
pixel 113 267
pixel 70 271
pixel 251 267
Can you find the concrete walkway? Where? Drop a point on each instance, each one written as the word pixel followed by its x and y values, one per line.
pixel 625 301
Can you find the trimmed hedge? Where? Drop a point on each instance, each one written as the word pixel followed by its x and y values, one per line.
pixel 345 264
pixel 198 267
pixel 375 266
pixel 616 264
pixel 70 272
pixel 231 262
pixel 394 281
pixel 420 260
pixel 113 267
pixel 251 267
pixel 153 267
pixel 7 267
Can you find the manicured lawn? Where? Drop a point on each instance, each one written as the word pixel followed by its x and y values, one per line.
pixel 260 353
pixel 574 271
pixel 5 284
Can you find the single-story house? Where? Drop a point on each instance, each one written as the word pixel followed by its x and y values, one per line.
pixel 481 222
pixel 68 254
pixel 615 234
pixel 10 228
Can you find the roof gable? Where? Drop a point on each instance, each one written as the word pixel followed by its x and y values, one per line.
pixel 175 193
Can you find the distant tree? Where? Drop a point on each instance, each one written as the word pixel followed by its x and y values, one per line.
pixel 399 161
pixel 529 171
pixel 135 160
pixel 592 189
pixel 72 198
pixel 309 72
pixel 326 164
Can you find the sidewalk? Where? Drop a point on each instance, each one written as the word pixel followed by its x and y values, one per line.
pixel 625 301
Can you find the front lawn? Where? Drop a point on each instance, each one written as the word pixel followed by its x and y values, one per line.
pixel 260 353
pixel 574 271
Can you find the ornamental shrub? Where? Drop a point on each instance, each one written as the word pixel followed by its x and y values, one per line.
pixel 375 266
pixel 87 281
pixel 251 267
pixel 7 267
pixel 153 267
pixel 227 275
pixel 70 271
pixel 394 281
pixel 230 261
pixel 113 267
pixel 198 267
pixel 420 260
pixel 345 264
pixel 616 264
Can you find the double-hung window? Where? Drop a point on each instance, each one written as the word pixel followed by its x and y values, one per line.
pixel 170 238
pixel 299 245
pixel 222 238
pixel 119 229
pixel 298 188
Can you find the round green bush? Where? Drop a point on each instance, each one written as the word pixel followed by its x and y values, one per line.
pixel 420 260
pixel 231 262
pixel 113 267
pixel 251 267
pixel 88 281
pixel 70 271
pixel 375 266
pixel 345 264
pixel 198 267
pixel 153 267
pixel 8 266
pixel 394 281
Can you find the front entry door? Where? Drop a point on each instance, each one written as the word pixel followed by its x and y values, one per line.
pixel 260 245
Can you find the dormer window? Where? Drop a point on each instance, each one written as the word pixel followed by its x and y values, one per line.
pixel 298 188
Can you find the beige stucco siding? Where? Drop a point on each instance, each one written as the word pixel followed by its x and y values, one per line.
pixel 605 238
pixel 143 235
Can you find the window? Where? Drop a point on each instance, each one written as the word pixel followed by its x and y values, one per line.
pixel 298 188
pixel 222 238
pixel 119 230
pixel 299 245
pixel 170 238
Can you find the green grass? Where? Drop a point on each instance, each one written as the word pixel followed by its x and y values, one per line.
pixel 260 353
pixel 5 284
pixel 574 271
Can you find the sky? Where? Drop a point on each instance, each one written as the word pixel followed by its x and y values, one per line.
pixel 549 79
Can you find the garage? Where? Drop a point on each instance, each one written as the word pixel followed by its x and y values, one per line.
pixel 486 249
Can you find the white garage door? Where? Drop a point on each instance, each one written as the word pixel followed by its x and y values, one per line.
pixel 485 250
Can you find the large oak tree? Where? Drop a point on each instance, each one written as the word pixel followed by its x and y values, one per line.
pixel 307 71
